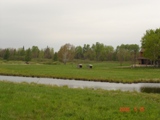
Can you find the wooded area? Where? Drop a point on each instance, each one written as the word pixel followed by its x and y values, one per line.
pixel 150 42
pixel 68 52
pixel 151 45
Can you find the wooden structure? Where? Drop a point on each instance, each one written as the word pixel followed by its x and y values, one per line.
pixel 145 61
pixel 142 60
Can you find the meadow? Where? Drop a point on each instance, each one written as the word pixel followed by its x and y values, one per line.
pixel 22 101
pixel 101 71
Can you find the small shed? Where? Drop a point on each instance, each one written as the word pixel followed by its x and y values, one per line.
pixel 142 60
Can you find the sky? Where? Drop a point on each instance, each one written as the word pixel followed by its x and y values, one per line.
pixel 54 23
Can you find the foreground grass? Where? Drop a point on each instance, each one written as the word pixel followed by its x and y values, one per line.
pixel 31 101
pixel 104 71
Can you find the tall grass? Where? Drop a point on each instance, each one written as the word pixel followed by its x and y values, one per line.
pixel 38 102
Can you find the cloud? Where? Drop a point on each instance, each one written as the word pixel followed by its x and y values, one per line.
pixel 56 22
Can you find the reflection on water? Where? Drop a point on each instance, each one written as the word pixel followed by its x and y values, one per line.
pixel 82 84
pixel 150 89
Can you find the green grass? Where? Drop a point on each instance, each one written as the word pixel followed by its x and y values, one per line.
pixel 102 71
pixel 38 102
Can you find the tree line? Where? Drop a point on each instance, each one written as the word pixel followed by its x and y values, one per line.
pixel 68 52
pixel 23 54
pixel 150 42
pixel 99 52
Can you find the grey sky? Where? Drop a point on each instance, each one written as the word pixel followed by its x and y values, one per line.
pixel 56 22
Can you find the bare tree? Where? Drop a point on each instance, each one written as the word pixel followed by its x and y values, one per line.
pixel 66 53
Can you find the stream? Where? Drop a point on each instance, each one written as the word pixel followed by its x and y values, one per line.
pixel 81 84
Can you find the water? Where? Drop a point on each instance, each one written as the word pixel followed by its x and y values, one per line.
pixel 81 84
pixel 150 89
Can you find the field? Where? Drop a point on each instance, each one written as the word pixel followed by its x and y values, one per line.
pixel 102 71
pixel 32 101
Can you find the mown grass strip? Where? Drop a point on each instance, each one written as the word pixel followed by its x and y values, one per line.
pixel 104 72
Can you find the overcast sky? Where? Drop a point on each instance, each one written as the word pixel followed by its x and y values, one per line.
pixel 55 22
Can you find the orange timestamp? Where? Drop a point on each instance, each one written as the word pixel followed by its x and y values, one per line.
pixel 128 109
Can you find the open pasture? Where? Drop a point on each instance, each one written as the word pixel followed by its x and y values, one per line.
pixel 101 71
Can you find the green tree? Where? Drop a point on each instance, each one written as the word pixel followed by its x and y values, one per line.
pixel 28 55
pixel 151 44
pixel 20 55
pixel 12 54
pixel 6 54
pixel 48 53
pixel 79 52
pixel 134 50
pixel 35 52
pixel 41 54
pixel 1 53
pixel 128 52
pixel 99 48
pixel 102 52
pixel 106 53
pixel 55 57
pixel 86 51
pixel 121 54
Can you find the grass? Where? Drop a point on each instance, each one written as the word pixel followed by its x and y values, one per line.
pixel 38 102
pixel 102 71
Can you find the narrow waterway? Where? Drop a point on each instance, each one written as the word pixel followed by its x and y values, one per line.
pixel 81 84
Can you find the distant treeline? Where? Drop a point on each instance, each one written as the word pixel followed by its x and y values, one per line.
pixel 68 52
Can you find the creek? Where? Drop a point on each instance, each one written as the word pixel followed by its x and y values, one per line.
pixel 84 84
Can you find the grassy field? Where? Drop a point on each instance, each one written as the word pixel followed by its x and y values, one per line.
pixel 39 102
pixel 102 71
